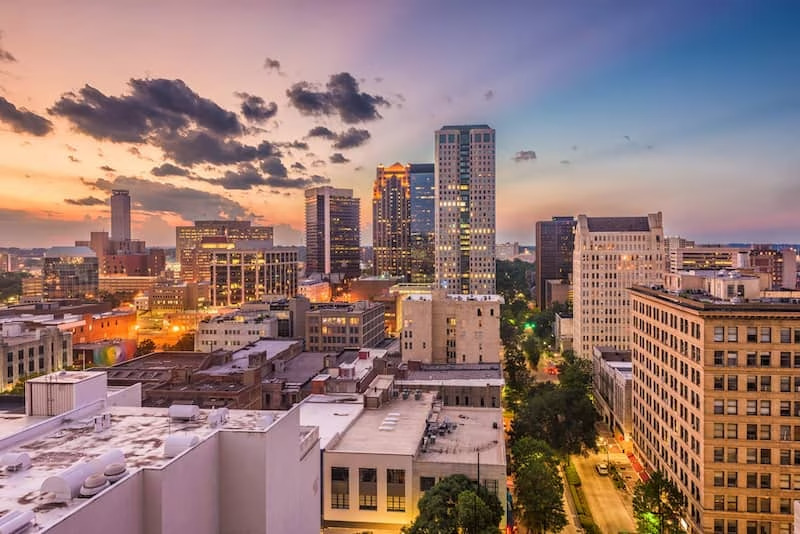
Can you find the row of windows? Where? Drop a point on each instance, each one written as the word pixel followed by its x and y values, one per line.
pixel 730 503
pixel 756 456
pixel 756 432
pixel 755 407
pixel 785 360
pixel 756 334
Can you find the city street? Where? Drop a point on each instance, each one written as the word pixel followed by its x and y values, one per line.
pixel 611 508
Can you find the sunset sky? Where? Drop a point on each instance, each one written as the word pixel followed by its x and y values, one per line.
pixel 229 109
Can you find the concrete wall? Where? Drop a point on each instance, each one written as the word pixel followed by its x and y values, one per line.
pixel 242 492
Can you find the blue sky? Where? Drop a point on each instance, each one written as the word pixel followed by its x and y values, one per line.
pixel 690 108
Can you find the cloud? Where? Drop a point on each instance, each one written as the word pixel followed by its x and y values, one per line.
pixel 70 148
pixel 488 95
pixel 524 155
pixel 23 121
pixel 153 108
pixel 341 97
pixel 135 151
pixel 298 166
pixel 274 167
pixel 73 159
pixel 351 138
pixel 299 145
pixel 565 162
pixel 246 177
pixel 200 147
pixel 86 201
pixel 190 204
pixel 337 157
pixel 255 109
pixel 321 131
pixel 168 169
pixel 272 64
pixel 5 55
pixel 107 168
pixel 318 163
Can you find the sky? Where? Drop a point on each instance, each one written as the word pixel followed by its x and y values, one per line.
pixel 230 109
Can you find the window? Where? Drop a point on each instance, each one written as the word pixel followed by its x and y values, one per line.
pixel 719 430
pixel 766 383
pixel 766 359
pixel 752 431
pixel 719 333
pixel 785 506
pixel 396 490
pixel 719 407
pixel 786 457
pixel 733 479
pixel 752 383
pixel 733 382
pixel 732 407
pixel 426 483
pixel 719 383
pixel 719 502
pixel 367 488
pixel 765 408
pixel 733 504
pixel 752 334
pixel 733 455
pixel 719 357
pixel 786 359
pixel 752 407
pixel 719 454
pixel 719 479
pixel 785 433
pixel 733 359
pixel 733 333
pixel 766 481
pixel 766 334
pixel 785 481
pixel 765 432
pixel 733 431
pixel 751 456
pixel 340 488
pixel 751 359
pixel 752 480
pixel 786 384
pixel 765 456
pixel 764 505
pixel 786 335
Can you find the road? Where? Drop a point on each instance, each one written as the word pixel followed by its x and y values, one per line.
pixel 611 508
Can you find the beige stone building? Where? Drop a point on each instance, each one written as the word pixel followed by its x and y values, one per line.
pixel 716 405
pixel 338 325
pixel 612 254
pixel 442 328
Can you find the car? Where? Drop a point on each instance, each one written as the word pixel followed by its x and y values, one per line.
pixel 602 469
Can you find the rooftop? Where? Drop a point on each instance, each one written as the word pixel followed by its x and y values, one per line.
pixel 333 414
pixel 462 298
pixel 241 358
pixel 302 367
pixel 618 224
pixel 703 302
pixel 57 443
pixel 475 430
pixel 461 374
pixel 65 377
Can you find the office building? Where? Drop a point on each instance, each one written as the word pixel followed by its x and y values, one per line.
pixel 241 273
pixel 612 384
pixel 120 215
pixel 715 397
pixel 195 260
pixel 337 326
pixel 29 347
pixel 780 265
pixel 612 254
pixel 391 221
pixel 423 222
pixel 555 241
pixel 333 233
pixel 465 209
pixel 69 273
pixel 451 329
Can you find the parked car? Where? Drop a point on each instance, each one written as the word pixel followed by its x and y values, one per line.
pixel 602 469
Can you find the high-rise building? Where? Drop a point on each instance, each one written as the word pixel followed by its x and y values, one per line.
pixel 465 209
pixel 780 265
pixel 611 255
pixel 391 222
pixel 423 225
pixel 333 232
pixel 120 215
pixel 195 260
pixel 240 275
pixel 69 273
pixel 555 240
pixel 715 404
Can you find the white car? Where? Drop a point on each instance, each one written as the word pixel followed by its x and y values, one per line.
pixel 602 469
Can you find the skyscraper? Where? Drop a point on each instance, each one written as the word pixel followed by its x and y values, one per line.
pixel 120 215
pixel 69 273
pixel 465 209
pixel 333 232
pixel 391 222
pixel 611 255
pixel 554 243
pixel 423 225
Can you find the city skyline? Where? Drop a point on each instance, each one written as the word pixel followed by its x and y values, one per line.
pixel 610 109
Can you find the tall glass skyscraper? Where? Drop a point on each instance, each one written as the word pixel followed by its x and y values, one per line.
pixel 120 215
pixel 423 224
pixel 465 209
pixel 333 232
pixel 391 223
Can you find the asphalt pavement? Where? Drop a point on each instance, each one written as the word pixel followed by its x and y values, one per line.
pixel 612 509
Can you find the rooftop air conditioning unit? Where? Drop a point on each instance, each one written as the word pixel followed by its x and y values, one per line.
pixel 16 521
pixel 93 485
pixel 184 412
pixel 177 443
pixel 16 461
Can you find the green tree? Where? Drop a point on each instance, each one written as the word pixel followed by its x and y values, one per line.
pixel 184 343
pixel 658 506
pixel 537 486
pixel 513 278
pixel 564 418
pixel 518 377
pixel 575 374
pixel 11 284
pixel 532 348
pixel 146 346
pixel 439 511
pixel 473 515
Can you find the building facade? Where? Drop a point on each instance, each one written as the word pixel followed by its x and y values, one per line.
pixel 423 224
pixel 715 396
pixel 69 273
pixel 239 276
pixel 333 232
pixel 233 331
pixel 612 388
pixel 120 215
pixel 31 348
pixel 442 328
pixel 780 265
pixel 338 326
pixel 391 221
pixel 555 241
pixel 195 262
pixel 465 209
pixel 612 254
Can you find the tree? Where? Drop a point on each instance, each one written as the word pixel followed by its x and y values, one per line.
pixel 185 343
pixel 575 374
pixel 533 351
pixel 518 378
pixel 537 486
pixel 440 513
pixel 512 278
pixel 473 515
pixel 563 418
pixel 658 506
pixel 146 346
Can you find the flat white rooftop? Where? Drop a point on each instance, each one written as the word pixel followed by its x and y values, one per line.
pixel 475 430
pixel 57 443
pixel 65 377
pixel 332 414
pixel 240 358
pixel 463 298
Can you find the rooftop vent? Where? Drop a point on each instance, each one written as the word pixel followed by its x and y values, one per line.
pixel 67 484
pixel 16 521
pixel 16 461
pixel 184 412
pixel 115 471
pixel 265 420
pixel 177 443
pixel 93 485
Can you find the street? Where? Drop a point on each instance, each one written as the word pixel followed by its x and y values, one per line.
pixel 611 508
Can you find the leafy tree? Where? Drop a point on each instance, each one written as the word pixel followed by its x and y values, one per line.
pixel 11 284
pixel 531 347
pixel 564 418
pixel 512 278
pixel 658 506
pixel 185 343
pixel 537 486
pixel 474 516
pixel 146 346
pixel 575 374
pixel 440 513
pixel 518 377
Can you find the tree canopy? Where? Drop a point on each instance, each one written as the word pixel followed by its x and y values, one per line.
pixel 658 506
pixel 537 486
pixel 450 507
